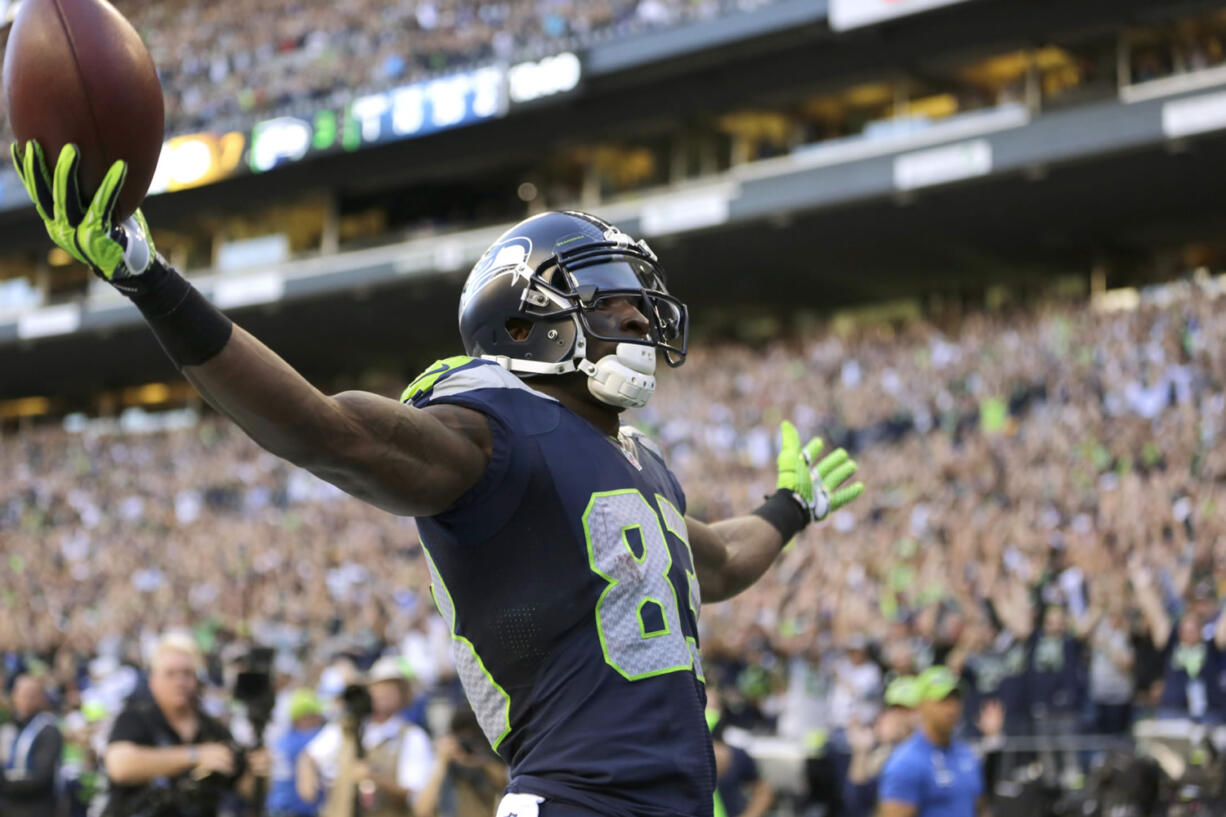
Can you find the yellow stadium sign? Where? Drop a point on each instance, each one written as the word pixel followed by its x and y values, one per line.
pixel 197 159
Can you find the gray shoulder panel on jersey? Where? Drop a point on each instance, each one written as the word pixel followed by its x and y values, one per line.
pixel 473 378
pixel 642 439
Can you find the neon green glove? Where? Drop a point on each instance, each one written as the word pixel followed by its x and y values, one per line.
pixel 115 252
pixel 816 487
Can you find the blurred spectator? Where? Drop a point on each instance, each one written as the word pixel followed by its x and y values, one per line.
pixel 871 746
pixel 28 780
pixel 804 710
pixel 931 774
pixel 373 750
pixel 1055 687
pixel 993 667
pixel 1112 663
pixel 468 779
pixel 165 756
pixel 306 717
pixel 1192 685
pixel 740 790
pixel 857 685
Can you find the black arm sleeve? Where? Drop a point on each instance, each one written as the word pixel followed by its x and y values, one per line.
pixel 190 329
pixel 39 782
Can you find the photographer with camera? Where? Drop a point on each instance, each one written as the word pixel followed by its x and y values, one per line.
pixel 165 756
pixel 468 779
pixel 373 762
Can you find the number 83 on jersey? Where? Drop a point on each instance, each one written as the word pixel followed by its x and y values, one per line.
pixel 638 616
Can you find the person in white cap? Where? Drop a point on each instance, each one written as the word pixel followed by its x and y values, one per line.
pixel 393 765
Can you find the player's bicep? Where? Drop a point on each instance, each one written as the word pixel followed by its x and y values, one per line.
pixel 406 460
pixel 710 556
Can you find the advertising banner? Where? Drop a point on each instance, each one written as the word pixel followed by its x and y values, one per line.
pixel 401 113
pixel 406 112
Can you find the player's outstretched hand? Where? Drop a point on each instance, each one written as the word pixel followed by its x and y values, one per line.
pixel 115 252
pixel 815 484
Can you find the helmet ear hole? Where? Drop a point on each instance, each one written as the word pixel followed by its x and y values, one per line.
pixel 520 329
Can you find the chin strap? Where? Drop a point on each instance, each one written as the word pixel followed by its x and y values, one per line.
pixel 625 379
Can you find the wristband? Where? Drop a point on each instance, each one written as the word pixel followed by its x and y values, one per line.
pixel 190 329
pixel 193 755
pixel 785 512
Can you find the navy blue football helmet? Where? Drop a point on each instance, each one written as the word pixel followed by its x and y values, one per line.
pixel 526 302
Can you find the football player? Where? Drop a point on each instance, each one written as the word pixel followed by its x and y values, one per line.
pixel 557 539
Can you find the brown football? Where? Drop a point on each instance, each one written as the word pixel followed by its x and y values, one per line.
pixel 77 71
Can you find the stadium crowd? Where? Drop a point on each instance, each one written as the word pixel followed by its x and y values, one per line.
pixel 1044 516
pixel 224 64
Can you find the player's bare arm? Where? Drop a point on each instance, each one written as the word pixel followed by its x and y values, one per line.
pixel 732 554
pixel 402 459
pixel 405 460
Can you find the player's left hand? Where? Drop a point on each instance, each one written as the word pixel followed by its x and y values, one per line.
pixel 115 252
pixel 815 484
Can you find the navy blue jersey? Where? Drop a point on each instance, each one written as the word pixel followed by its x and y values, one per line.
pixel 567 578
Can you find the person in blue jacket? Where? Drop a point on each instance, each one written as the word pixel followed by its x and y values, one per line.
pixel 930 774
pixel 306 719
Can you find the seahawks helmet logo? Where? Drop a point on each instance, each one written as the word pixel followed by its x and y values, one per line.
pixel 505 257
